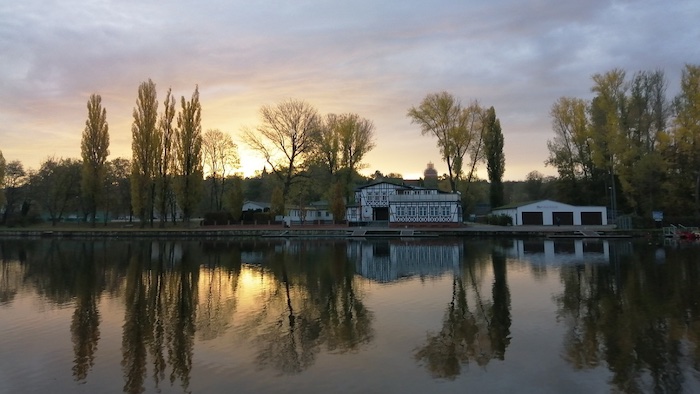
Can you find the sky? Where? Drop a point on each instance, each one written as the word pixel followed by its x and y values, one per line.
pixel 373 58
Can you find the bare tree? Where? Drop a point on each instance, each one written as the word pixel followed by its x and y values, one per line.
pixel 285 139
pixel 220 156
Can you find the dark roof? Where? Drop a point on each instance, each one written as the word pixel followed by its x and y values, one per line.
pixel 375 183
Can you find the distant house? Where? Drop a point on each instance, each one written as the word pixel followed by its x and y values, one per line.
pixel 401 205
pixel 548 213
pixel 315 213
pixel 255 206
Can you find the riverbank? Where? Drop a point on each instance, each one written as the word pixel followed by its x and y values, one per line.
pixel 468 230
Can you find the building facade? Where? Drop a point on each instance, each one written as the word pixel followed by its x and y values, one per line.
pixel 401 205
pixel 552 213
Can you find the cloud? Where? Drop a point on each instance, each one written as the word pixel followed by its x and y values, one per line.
pixel 373 58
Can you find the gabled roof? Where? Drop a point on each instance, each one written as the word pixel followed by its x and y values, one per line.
pixel 379 183
pixel 525 203
pixel 400 186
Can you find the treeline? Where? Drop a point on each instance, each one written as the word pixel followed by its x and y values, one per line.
pixel 177 171
pixel 631 147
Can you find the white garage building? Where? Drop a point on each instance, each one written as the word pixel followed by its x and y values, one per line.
pixel 549 213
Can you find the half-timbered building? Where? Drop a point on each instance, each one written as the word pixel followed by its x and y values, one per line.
pixel 403 205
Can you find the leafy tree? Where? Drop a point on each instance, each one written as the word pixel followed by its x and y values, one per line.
pixel 277 202
pixel 608 124
pixel 356 137
pixel 189 155
pixel 684 141
pixel 118 184
pixel 534 185
pixel 495 160
pixel 337 202
pixel 459 131
pixel 166 134
pixel 56 186
pixel 220 155
pixel 235 198
pixel 286 138
pixel 647 112
pixel 471 141
pixel 342 143
pixel 145 150
pixel 94 149
pixel 15 178
pixel 327 149
pixel 3 164
pixel 440 115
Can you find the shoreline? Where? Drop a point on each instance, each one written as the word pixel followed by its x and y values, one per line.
pixel 321 231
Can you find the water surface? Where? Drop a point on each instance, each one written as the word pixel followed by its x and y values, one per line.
pixel 403 315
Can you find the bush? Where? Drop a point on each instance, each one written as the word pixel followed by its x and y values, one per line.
pixel 218 218
pixel 500 220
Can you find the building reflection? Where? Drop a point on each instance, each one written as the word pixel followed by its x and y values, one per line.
pixel 558 252
pixel 389 260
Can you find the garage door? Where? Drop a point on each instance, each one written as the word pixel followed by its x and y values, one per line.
pixel 591 218
pixel 563 218
pixel 532 218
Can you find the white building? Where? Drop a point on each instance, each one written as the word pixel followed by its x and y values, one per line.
pixel 314 213
pixel 401 205
pixel 548 213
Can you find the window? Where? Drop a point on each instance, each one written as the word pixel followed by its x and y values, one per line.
pixel 433 210
pixel 446 211
pixel 422 210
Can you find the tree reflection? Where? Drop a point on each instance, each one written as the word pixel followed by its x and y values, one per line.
pixel 85 324
pixel 219 285
pixel 311 303
pixel 172 291
pixel 160 311
pixel 475 333
pixel 636 316
pixel 12 259
pixel 136 331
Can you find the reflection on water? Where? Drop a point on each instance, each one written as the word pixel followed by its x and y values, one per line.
pixel 476 325
pixel 390 260
pixel 628 311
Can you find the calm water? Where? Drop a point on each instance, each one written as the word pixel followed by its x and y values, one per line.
pixel 424 315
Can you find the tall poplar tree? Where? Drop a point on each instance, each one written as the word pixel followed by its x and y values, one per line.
pixel 188 151
pixel 495 160
pixel 145 149
pixel 94 149
pixel 166 136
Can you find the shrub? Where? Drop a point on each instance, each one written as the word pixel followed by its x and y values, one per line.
pixel 500 220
